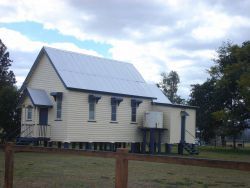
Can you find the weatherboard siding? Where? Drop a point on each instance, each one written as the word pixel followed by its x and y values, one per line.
pixel 175 130
pixel 45 77
pixel 172 121
pixel 80 129
pixel 27 102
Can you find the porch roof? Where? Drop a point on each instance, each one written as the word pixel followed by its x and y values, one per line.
pixel 39 97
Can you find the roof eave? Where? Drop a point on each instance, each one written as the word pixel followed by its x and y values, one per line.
pixel 176 105
pixel 110 93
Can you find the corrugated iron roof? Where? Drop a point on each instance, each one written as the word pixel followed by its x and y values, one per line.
pixel 79 71
pixel 161 98
pixel 39 97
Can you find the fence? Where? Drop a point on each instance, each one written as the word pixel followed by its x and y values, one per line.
pixel 122 157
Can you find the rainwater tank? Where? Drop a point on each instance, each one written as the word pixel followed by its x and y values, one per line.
pixel 153 119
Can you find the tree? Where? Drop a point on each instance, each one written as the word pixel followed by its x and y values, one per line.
pixel 231 70
pixel 7 77
pixel 169 86
pixel 224 97
pixel 9 115
pixel 205 97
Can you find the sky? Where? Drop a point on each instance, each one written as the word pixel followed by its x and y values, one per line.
pixel 155 36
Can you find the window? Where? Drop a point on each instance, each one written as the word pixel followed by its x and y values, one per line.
pixel 59 107
pixel 133 113
pixel 93 100
pixel 115 101
pixel 134 104
pixel 29 113
pixel 58 96
pixel 113 111
pixel 92 110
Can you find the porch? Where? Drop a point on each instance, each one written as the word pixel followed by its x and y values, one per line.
pixel 35 131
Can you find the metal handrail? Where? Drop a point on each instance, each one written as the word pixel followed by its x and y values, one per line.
pixel 29 125
pixel 190 134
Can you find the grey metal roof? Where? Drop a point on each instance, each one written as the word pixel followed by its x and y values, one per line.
pixel 161 98
pixel 85 72
pixel 39 97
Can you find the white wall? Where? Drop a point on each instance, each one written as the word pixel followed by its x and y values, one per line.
pixel 79 129
pixel 44 77
pixel 172 121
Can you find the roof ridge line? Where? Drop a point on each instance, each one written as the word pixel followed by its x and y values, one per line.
pixel 93 56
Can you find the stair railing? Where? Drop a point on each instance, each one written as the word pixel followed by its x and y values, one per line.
pixel 190 134
pixel 27 132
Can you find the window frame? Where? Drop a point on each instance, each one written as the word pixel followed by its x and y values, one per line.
pixel 114 113
pixel 134 105
pixel 134 113
pixel 29 113
pixel 93 103
pixel 58 107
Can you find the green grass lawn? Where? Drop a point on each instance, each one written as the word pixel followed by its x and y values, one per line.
pixel 53 170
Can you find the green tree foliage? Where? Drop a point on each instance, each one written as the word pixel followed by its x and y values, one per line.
pixel 169 86
pixel 9 115
pixel 226 102
pixel 205 97
pixel 7 77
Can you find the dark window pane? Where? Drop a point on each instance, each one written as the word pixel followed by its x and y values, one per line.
pixel 133 114
pixel 91 111
pixel 133 118
pixel 113 112
pixel 113 117
pixel 59 107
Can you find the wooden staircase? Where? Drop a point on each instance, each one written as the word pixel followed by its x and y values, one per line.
pixel 191 149
pixel 31 134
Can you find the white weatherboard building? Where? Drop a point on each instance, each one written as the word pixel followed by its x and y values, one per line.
pixel 70 97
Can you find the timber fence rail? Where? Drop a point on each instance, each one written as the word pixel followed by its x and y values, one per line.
pixel 122 157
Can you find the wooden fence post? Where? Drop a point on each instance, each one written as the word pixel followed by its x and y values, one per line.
pixel 121 168
pixel 9 165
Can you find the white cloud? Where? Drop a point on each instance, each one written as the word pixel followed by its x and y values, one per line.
pixel 155 36
pixel 18 43
pixel 216 25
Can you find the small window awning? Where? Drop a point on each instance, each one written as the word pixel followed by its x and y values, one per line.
pixel 135 102
pixel 39 97
pixel 56 95
pixel 116 100
pixel 94 98
pixel 184 113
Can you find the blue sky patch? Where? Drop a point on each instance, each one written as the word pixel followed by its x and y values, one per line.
pixel 36 32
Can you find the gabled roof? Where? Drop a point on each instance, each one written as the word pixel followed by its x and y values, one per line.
pixel 95 74
pixel 161 98
pixel 39 97
pixel 89 73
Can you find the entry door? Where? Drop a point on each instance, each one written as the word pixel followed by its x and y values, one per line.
pixel 43 116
